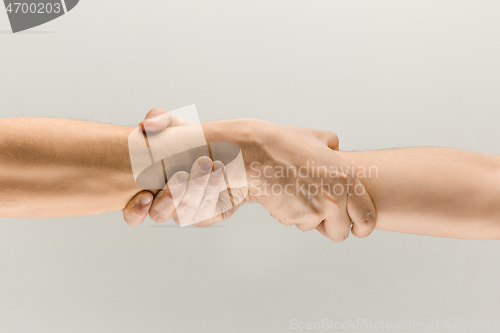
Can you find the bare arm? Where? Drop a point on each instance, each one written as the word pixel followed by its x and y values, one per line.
pixel 60 167
pixel 432 191
pixel 52 167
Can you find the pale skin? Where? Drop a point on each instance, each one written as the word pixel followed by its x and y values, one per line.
pixel 57 167
pixel 434 191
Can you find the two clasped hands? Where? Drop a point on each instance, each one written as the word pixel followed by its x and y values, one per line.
pixel 295 173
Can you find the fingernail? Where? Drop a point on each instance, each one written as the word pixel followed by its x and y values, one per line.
pixel 150 121
pixel 182 178
pixel 205 164
pixel 218 165
pixel 145 199
pixel 156 121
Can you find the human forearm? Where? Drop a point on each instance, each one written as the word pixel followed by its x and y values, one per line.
pixel 60 167
pixel 432 191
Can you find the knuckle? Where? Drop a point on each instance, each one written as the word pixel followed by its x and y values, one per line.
pixel 286 222
pixel 304 227
pixel 294 217
pixel 369 216
pixel 291 220
pixel 198 184
pixel 365 227
pixel 157 217
pixel 156 109
pixel 360 234
pixel 208 204
pixel 337 195
pixel 185 208
pixel 203 224
pixel 213 187
pixel 366 217
pixel 317 215
pixel 343 178
pixel 332 137
pixel 339 238
pixel 347 177
pixel 168 200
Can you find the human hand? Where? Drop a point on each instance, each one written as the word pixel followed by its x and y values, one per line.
pixel 326 201
pixel 202 196
pixel 297 176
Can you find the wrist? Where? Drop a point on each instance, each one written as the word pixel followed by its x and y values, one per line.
pixel 248 134
pixel 251 135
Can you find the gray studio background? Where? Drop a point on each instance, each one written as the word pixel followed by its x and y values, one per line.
pixel 381 74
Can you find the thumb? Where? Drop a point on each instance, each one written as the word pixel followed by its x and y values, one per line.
pixel 138 208
pixel 360 209
pixel 156 120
